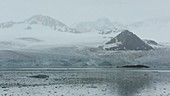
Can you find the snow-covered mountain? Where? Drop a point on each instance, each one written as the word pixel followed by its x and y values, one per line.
pixel 43 31
pixel 37 30
pixel 44 21
pixel 102 25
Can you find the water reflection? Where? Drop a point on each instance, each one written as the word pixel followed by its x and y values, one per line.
pixel 131 83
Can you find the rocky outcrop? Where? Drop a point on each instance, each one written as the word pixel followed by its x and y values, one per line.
pixel 127 41
pixel 151 42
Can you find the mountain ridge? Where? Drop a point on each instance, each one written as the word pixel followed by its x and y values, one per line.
pixel 40 20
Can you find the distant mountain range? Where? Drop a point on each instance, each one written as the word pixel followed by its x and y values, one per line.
pixel 45 21
pixel 102 25
pixel 45 30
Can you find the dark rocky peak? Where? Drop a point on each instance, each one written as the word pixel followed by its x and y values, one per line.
pixel 123 37
pixel 126 40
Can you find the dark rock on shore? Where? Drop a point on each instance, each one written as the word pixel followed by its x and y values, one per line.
pixel 39 76
pixel 133 66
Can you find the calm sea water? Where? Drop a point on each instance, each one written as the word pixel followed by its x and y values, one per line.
pixel 84 82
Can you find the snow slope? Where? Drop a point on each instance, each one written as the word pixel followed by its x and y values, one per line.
pixel 48 36
pixel 48 32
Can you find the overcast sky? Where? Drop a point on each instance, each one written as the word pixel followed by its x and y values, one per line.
pixel 73 11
